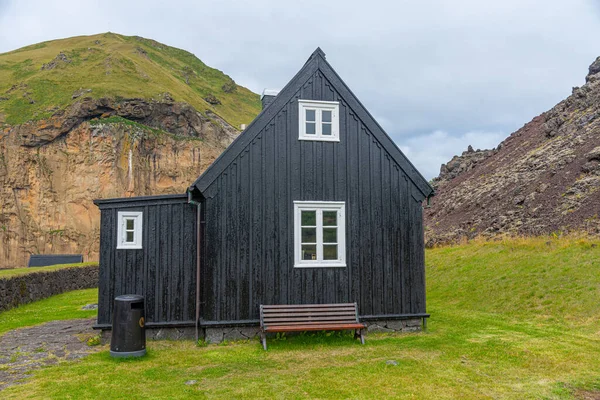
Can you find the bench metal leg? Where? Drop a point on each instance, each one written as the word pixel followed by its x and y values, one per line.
pixel 263 339
pixel 359 334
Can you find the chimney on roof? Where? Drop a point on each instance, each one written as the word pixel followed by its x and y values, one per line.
pixel 267 97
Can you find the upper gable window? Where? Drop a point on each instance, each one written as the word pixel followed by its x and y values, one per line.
pixel 319 120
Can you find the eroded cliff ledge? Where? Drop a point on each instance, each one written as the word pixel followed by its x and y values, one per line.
pixel 51 170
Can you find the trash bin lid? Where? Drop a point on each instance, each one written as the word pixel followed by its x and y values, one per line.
pixel 130 297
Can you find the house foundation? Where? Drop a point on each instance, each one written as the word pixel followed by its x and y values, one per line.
pixel 216 335
pixel 395 325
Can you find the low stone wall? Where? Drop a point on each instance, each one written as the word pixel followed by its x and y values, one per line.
pixel 395 325
pixel 183 333
pixel 218 335
pixel 23 289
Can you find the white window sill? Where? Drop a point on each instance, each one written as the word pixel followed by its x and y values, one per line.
pixel 133 247
pixel 320 265
pixel 319 139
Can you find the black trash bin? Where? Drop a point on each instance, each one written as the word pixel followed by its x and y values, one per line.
pixel 128 337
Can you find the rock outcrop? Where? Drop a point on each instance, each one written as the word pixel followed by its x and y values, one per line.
pixel 52 170
pixel 544 178
pixel 176 118
pixel 459 164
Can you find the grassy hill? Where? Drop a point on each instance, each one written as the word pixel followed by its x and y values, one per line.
pixel 37 80
pixel 545 279
pixel 514 319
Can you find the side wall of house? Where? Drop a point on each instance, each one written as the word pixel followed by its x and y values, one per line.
pixel 248 240
pixel 163 271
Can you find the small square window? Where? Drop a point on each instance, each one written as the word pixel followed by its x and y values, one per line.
pixel 319 234
pixel 319 120
pixel 129 230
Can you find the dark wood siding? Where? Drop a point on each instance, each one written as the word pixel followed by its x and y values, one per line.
pixel 163 271
pixel 248 249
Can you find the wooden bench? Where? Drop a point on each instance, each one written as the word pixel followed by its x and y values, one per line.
pixel 310 317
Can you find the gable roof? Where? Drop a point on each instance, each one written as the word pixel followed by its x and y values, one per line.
pixel 316 62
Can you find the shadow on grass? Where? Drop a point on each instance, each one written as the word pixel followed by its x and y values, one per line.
pixel 311 340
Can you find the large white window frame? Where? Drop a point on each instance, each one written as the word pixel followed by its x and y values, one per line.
pixel 129 229
pixel 319 122
pixel 319 207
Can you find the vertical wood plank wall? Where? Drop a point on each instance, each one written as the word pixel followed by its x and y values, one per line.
pixel 248 249
pixel 164 270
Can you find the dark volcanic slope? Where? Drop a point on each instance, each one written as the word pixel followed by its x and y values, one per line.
pixel 543 178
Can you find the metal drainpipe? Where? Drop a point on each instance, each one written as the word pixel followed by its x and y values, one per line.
pixel 198 247
pixel 428 204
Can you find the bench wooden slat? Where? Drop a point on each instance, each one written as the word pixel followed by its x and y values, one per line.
pixel 310 323
pixel 310 310
pixel 322 327
pixel 266 307
pixel 350 314
pixel 310 317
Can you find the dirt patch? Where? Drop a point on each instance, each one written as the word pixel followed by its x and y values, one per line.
pixel 587 395
pixel 24 350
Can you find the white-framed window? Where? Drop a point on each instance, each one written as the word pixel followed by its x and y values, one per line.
pixel 319 120
pixel 319 234
pixel 129 230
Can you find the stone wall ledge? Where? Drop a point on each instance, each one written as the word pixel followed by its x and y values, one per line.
pixel 23 289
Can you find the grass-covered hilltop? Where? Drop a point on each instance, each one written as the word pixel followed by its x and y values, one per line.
pixel 38 80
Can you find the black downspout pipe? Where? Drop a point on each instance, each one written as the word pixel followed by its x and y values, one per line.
pixel 198 258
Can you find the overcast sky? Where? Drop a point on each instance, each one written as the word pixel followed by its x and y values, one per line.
pixel 437 75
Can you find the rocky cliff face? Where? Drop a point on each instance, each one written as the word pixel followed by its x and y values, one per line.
pixel 544 178
pixel 51 170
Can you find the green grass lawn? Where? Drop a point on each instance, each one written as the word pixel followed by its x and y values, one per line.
pixel 515 319
pixel 62 306
pixel 9 273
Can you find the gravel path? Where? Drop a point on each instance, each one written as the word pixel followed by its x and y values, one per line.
pixel 26 349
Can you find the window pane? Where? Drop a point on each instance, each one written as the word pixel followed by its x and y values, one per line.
pixel 310 128
pixel 329 218
pixel 309 235
pixel 326 116
pixel 129 237
pixel 309 218
pixel 329 235
pixel 310 115
pixel 129 224
pixel 309 252
pixel 327 129
pixel 330 252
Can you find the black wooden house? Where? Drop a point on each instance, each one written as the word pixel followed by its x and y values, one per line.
pixel 312 203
